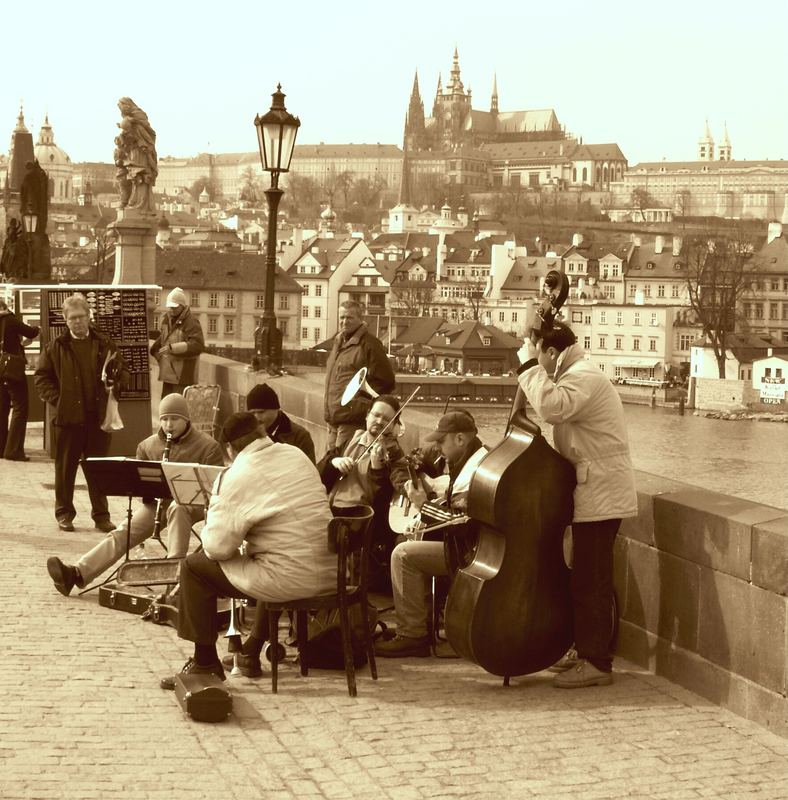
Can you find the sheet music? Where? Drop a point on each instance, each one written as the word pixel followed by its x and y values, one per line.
pixel 191 484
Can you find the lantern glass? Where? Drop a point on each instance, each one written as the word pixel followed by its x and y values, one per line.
pixel 276 135
pixel 30 221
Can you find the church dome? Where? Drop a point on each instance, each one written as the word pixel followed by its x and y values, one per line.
pixel 328 213
pixel 49 155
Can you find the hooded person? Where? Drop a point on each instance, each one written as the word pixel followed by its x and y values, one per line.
pixel 265 537
pixel 183 443
pixel 178 346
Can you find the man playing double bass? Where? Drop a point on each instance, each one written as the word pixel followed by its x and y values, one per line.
pixel 414 563
pixel 589 430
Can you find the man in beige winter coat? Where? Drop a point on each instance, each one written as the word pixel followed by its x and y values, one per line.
pixel 589 430
pixel 265 537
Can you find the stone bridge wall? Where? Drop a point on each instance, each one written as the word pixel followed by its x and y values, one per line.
pixel 702 577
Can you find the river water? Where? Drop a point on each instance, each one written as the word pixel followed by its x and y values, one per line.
pixel 744 458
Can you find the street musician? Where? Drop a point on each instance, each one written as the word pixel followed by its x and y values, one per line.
pixel 176 440
pixel 414 563
pixel 265 537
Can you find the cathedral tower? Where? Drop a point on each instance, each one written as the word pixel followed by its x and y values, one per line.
pixel 706 146
pixel 414 123
pixel 494 98
pixel 725 152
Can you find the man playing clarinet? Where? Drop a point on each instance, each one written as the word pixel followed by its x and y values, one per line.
pixel 179 441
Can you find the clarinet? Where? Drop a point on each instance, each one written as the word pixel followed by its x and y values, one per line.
pixel 160 502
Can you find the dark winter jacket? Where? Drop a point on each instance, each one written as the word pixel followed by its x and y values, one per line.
pixel 58 382
pixel 14 331
pixel 185 338
pixel 362 349
pixel 285 431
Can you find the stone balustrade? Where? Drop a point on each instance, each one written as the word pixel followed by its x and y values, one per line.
pixel 701 577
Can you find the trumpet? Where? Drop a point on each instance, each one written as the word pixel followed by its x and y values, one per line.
pixel 157 523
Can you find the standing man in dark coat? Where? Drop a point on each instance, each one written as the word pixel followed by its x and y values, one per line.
pixel 13 386
pixel 70 377
pixel 263 402
pixel 354 347
pixel 179 345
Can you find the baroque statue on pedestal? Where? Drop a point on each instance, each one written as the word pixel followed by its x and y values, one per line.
pixel 135 157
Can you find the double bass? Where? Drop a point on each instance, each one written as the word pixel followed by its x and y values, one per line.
pixel 510 610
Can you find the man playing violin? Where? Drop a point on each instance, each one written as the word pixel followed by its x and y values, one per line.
pixel 415 563
pixel 372 463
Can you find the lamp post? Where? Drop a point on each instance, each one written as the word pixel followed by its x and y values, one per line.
pixel 30 221
pixel 276 135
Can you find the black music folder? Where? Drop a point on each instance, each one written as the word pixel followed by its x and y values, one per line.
pixel 117 476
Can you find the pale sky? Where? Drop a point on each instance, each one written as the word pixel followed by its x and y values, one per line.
pixel 644 75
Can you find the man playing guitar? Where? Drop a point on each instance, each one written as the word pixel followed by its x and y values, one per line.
pixel 414 563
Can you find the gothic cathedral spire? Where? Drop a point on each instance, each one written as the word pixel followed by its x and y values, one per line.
pixel 494 98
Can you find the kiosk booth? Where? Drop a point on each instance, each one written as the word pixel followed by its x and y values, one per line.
pixel 124 314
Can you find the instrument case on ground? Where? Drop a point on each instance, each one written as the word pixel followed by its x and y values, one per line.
pixel 203 697
pixel 145 602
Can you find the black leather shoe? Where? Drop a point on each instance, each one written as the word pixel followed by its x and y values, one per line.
pixel 64 575
pixel 192 667
pixel 250 666
pixel 404 647
pixel 104 525
pixel 65 524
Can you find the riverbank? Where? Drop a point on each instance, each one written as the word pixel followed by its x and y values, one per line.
pixel 758 416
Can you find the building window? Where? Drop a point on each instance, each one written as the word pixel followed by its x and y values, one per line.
pixel 619 317
pixel 636 344
pixel 647 290
pixel 501 316
pixel 773 312
pixel 654 322
pixel 229 300
pixel 284 302
pixel 304 311
pixel 229 325
pixel 587 319
pixel 283 327
pixel 602 344
pixel 213 300
pixel 603 318
pixel 212 324
pixel 617 371
pixel 318 291
pixel 514 316
pixel 304 333
pixel 747 310
pixel 614 269
pixel 586 343
pixel 674 290
pixel 660 290
pixel 259 301
pixel 758 310
pixel 652 345
pixel 636 318
pixel 619 343
pixel 577 316
pixel 632 289
pixel 685 340
pixel 318 312
pixel 610 292
pixel 486 341
pixel 194 302
pixel 316 334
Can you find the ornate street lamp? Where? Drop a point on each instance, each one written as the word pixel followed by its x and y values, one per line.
pixel 30 221
pixel 276 135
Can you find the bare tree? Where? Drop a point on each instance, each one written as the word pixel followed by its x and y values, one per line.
pixel 250 186
pixel 412 298
pixel 720 272
pixel 641 200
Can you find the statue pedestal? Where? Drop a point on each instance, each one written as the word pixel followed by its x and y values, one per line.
pixel 135 251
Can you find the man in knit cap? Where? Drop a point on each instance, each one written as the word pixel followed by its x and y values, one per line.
pixel 263 402
pixel 187 445
pixel 179 345
pixel 271 502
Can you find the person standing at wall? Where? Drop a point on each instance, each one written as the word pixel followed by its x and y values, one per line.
pixel 354 347
pixel 178 346
pixel 71 379
pixel 14 335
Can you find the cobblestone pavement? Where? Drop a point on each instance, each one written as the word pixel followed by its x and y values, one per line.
pixel 82 715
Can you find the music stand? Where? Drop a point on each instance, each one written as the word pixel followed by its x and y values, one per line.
pixel 127 477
